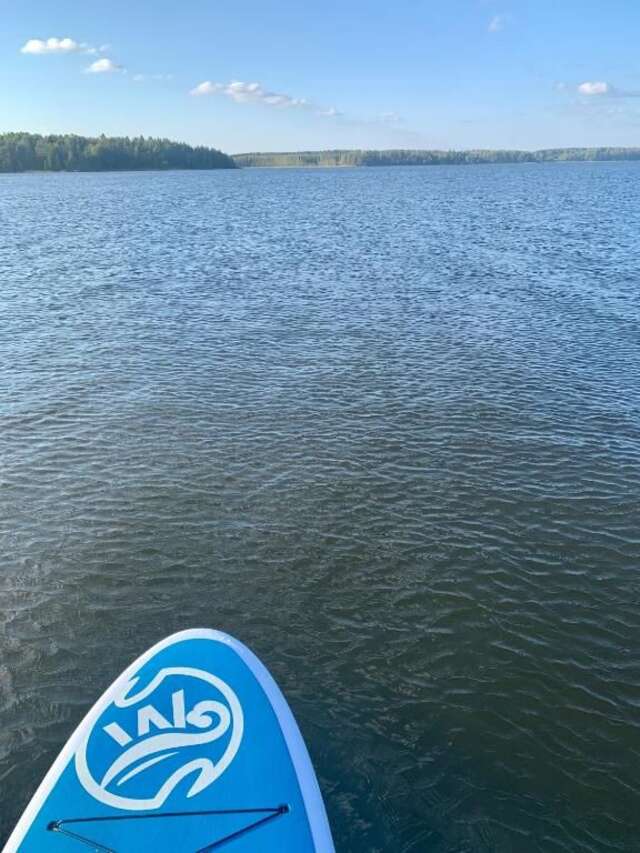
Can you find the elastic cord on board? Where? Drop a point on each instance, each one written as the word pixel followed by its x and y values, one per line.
pixel 269 815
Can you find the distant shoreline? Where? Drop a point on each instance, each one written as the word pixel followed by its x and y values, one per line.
pixel 410 157
pixel 36 153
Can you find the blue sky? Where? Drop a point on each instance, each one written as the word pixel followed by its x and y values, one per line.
pixel 293 75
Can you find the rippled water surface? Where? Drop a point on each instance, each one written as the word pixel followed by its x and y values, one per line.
pixel 384 426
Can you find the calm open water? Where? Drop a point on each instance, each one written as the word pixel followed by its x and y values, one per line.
pixel 382 425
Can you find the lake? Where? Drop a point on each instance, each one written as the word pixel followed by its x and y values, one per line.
pixel 383 425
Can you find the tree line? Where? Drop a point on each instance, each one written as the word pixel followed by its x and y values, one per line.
pixel 407 157
pixel 25 152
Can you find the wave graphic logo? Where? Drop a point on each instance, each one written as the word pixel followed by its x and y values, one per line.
pixel 139 751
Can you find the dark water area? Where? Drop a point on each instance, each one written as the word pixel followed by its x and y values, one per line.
pixel 383 426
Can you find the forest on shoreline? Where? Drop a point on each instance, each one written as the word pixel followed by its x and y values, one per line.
pixel 409 157
pixel 32 152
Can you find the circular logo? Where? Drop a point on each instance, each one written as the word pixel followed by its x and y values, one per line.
pixel 186 722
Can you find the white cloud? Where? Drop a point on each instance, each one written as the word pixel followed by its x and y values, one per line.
pixel 207 88
pixel 600 89
pixel 496 23
pixel 53 45
pixel 597 87
pixel 103 66
pixel 249 93
pixel 256 93
pixel 56 45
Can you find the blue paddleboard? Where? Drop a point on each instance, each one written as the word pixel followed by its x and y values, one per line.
pixel 193 748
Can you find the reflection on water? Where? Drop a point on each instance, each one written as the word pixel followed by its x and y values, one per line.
pixel 383 425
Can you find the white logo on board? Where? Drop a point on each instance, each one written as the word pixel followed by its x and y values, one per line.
pixel 193 722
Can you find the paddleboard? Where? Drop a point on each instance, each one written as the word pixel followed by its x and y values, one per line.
pixel 193 748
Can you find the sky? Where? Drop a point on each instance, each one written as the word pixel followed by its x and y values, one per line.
pixel 285 75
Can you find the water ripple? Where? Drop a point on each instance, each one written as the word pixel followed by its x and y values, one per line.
pixel 382 424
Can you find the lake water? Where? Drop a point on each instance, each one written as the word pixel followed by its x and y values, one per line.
pixel 384 426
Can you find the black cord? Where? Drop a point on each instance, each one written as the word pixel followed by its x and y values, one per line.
pixel 280 811
pixel 56 826
pixel 270 814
